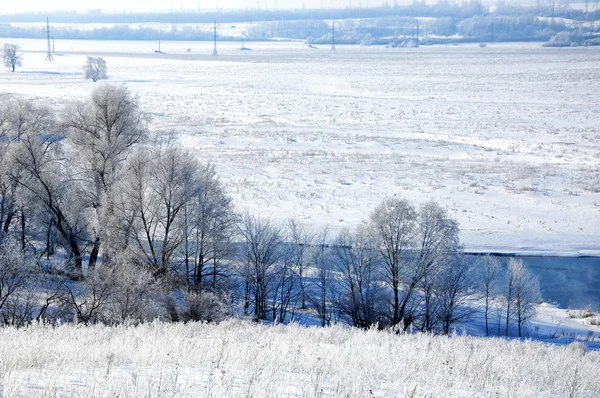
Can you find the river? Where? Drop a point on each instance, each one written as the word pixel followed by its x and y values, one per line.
pixel 572 282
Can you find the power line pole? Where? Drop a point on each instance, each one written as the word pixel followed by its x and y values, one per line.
pixel 215 53
pixel 417 42
pixel 333 36
pixel 49 56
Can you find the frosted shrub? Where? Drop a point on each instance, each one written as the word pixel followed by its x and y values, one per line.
pixel 581 314
pixel 577 348
pixel 16 299
pixel 133 294
pixel 206 306
pixel 118 292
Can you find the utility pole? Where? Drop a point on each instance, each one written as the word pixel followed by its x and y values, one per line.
pixel 215 53
pixel 417 33
pixel 52 44
pixel 49 56
pixel 333 36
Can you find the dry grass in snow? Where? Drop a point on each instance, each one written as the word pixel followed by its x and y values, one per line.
pixel 236 358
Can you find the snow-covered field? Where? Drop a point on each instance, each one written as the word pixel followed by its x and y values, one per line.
pixel 507 137
pixel 237 358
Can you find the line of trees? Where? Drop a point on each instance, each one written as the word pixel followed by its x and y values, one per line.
pixel 441 8
pixel 472 20
pixel 474 7
pixel 380 31
pixel 117 32
pixel 104 221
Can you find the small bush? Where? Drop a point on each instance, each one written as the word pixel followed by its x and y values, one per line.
pixel 206 306
pixel 581 314
pixel 577 348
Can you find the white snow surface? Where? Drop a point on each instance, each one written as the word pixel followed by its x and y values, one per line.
pixel 506 137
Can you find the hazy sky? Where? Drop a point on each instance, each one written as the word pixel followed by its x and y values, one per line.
pixel 14 6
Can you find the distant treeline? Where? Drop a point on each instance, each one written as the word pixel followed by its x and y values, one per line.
pixel 393 31
pixel 442 8
pixel 395 26
pixel 463 10
pixel 117 32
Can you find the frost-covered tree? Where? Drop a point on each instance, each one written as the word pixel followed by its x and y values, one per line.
pixel 11 56
pixel 522 295
pixel 360 297
pixel 285 280
pixel 101 132
pixel 208 223
pixel 8 204
pixel 161 183
pixel 392 225
pixel 13 272
pixel 20 213
pixel 262 251
pixel 45 174
pixel 95 68
pixel 488 270
pixel 453 285
pixel 300 239
pixel 322 288
pixel 436 240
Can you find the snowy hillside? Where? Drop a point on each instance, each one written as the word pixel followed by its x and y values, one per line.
pixel 506 137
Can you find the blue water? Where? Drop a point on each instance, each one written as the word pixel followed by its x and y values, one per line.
pixel 572 282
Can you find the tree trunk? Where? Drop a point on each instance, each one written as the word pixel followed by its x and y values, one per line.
pixel 8 221
pixel 199 276
pixel 50 240
pixel 395 317
pixel 246 297
pixel 93 258
pixel 302 294
pixel 76 257
pixel 487 308
pixel 402 316
pixel 73 246
pixel 508 306
pixel 214 274
pixel 22 230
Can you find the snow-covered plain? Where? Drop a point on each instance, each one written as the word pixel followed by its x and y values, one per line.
pixel 237 358
pixel 507 137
